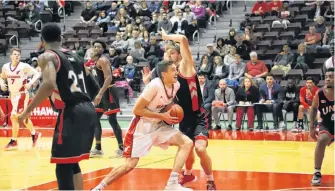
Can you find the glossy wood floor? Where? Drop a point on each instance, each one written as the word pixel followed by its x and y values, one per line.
pixel 241 161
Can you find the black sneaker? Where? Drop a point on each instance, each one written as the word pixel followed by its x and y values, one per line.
pixel 316 181
pixel 229 128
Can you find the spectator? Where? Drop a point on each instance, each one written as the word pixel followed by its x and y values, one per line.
pixel 222 48
pixel 112 11
pixel 284 16
pixel 270 98
pixel 206 66
pixel 231 37
pixel 191 21
pixel 291 101
pixel 247 94
pixel 130 9
pixel 260 8
pixel 211 53
pixel 249 38
pixel 153 52
pixel 180 26
pixel 103 21
pixel 312 39
pixel 88 15
pixel 275 7
pixel 255 69
pixel 283 60
pixel 318 10
pixel 327 36
pixel 153 24
pixel 207 91
pixel 179 5
pixel 165 24
pixel 119 42
pixel 137 52
pixel 303 60
pixel 220 70
pixel 224 101
pixel 329 14
pixel 175 17
pixel 230 58
pixel 320 26
pixel 242 48
pixel 306 97
pixel 330 62
pixel 144 11
pixel 198 9
pixel 236 71
pixel 114 57
pixel 131 41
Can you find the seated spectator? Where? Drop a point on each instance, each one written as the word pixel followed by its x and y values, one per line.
pixel 260 8
pixel 137 52
pixel 283 60
pixel 270 99
pixel 206 66
pixel 231 37
pixel 211 53
pixel 220 70
pixel 236 71
pixel 89 14
pixel 175 17
pixel 275 7
pixel 198 9
pixel 284 16
pixel 207 90
pixel 320 26
pixel 153 52
pixel 165 24
pixel 144 11
pixel 224 101
pixel 255 69
pixel 330 62
pixel 129 73
pixel 303 60
pixel 329 14
pixel 178 5
pixel 246 23
pixel 312 39
pixel 112 11
pixel 291 101
pixel 222 48
pixel 318 10
pixel 247 94
pixel 327 37
pixel 180 26
pixel 130 9
pixel 249 38
pixel 191 21
pixel 131 41
pixel 119 42
pixel 306 97
pixel 230 58
pixel 242 48
pixel 153 24
pixel 103 21
pixel 114 57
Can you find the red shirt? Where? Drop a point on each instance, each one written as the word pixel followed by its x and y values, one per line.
pixel 90 63
pixel 272 6
pixel 62 2
pixel 255 69
pixel 260 7
pixel 306 99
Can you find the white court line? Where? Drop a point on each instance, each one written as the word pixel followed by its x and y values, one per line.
pixel 305 188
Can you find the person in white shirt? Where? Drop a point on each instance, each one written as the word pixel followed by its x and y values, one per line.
pixel 330 62
pixel 16 74
pixel 151 127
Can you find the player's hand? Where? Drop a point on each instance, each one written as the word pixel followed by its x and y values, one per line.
pixel 163 34
pixel 97 99
pixel 4 87
pixel 27 86
pixel 313 133
pixel 2 116
pixel 168 118
pixel 145 72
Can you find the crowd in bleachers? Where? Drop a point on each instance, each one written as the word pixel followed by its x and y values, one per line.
pixel 280 47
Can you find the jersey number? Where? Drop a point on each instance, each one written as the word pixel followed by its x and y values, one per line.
pixel 13 80
pixel 75 86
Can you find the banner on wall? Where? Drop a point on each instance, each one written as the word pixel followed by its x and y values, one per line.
pixel 42 116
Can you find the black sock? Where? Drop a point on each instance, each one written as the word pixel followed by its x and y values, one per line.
pixel 98 146
pixel 121 147
pixel 64 174
pixel 301 123
pixel 33 137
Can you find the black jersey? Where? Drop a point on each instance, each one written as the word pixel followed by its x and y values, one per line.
pixel 99 74
pixel 189 95
pixel 70 80
pixel 326 109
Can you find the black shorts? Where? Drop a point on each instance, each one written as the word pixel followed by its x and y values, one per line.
pixel 74 133
pixel 329 130
pixel 110 102
pixel 195 125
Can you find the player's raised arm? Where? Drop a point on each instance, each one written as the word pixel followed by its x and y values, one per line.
pixel 106 69
pixel 185 50
pixel 48 64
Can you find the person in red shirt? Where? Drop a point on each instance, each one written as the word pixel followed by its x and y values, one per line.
pixel 275 6
pixel 260 8
pixel 307 94
pixel 255 69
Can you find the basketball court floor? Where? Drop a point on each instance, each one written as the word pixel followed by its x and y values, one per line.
pixel 241 161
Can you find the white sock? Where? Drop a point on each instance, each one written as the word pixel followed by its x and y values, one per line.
pixel 317 170
pixel 33 132
pixel 101 186
pixel 13 138
pixel 173 178
pixel 188 172
pixel 210 177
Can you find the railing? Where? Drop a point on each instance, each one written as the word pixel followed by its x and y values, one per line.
pixel 61 14
pixel 17 41
pixel 36 28
pixel 197 41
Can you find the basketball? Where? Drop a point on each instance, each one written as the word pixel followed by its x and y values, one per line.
pixel 176 111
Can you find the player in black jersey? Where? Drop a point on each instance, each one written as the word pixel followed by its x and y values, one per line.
pixel 324 103
pixel 107 100
pixel 71 89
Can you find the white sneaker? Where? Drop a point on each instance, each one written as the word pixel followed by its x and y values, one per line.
pixel 316 181
pixel 282 125
pixel 176 187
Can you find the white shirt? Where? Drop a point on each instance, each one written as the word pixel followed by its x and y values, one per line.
pixel 154 92
pixel 329 63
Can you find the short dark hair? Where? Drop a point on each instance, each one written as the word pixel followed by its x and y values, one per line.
pixel 309 78
pixel 103 44
pixel 269 75
pixel 330 69
pixel 51 32
pixel 163 66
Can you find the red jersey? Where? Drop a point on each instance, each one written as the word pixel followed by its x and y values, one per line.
pixel 306 96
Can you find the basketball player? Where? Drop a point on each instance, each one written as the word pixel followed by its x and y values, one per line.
pixel 148 129
pixel 71 90
pixel 107 100
pixel 324 103
pixel 16 73
pixel 190 99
